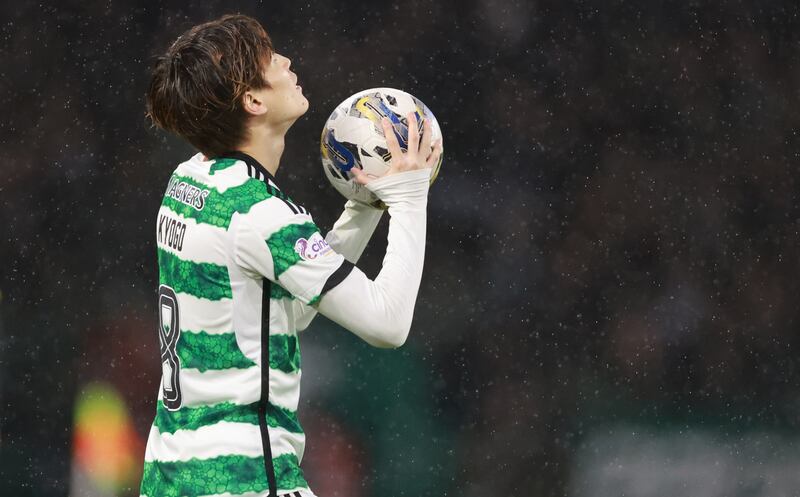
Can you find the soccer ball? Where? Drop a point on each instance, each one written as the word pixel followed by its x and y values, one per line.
pixel 353 137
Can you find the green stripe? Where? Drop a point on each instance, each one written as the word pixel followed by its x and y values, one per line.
pixel 277 292
pixel 200 279
pixel 219 207
pixel 283 418
pixel 281 245
pixel 284 353
pixel 192 418
pixel 234 474
pixel 221 165
pixel 288 473
pixel 204 351
pixel 315 300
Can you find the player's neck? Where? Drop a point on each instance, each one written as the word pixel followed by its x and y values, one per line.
pixel 266 147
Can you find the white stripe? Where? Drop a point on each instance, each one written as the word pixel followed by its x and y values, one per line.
pixel 280 321
pixel 220 439
pixel 215 440
pixel 198 170
pixel 198 314
pixel 284 442
pixel 284 389
pixel 246 313
pixel 201 242
pixel 272 214
pixel 240 386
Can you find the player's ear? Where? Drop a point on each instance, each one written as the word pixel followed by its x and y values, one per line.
pixel 254 103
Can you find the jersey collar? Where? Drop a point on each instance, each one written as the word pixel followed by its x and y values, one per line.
pixel 254 168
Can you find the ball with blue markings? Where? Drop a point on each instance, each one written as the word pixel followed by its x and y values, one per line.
pixel 353 137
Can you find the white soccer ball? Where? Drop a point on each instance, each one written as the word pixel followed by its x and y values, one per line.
pixel 353 137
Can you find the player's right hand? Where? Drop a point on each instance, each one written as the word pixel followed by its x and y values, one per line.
pixel 418 156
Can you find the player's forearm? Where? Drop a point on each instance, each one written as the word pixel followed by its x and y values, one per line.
pixel 349 237
pixel 353 229
pixel 380 311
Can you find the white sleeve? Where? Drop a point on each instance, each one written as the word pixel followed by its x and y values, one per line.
pixel 349 237
pixel 353 230
pixel 380 311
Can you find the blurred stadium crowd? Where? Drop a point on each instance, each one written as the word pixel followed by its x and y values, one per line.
pixel 613 243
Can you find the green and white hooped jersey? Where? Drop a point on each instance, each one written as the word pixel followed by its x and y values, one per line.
pixel 240 267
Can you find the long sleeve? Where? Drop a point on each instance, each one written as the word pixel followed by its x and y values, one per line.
pixel 353 230
pixel 349 237
pixel 380 311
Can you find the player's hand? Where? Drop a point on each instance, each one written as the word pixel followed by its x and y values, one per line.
pixel 420 154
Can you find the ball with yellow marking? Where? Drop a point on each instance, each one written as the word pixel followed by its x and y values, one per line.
pixel 353 137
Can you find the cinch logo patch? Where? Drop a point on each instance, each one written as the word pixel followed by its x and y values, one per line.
pixel 312 248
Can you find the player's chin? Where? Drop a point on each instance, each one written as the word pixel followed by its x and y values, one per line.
pixel 299 110
pixel 303 105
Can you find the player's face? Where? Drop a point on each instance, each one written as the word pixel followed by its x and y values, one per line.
pixel 284 99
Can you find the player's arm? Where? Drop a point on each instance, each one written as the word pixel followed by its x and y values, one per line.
pixel 353 230
pixel 349 237
pixel 380 311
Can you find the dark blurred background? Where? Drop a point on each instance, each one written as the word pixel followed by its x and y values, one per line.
pixel 609 305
